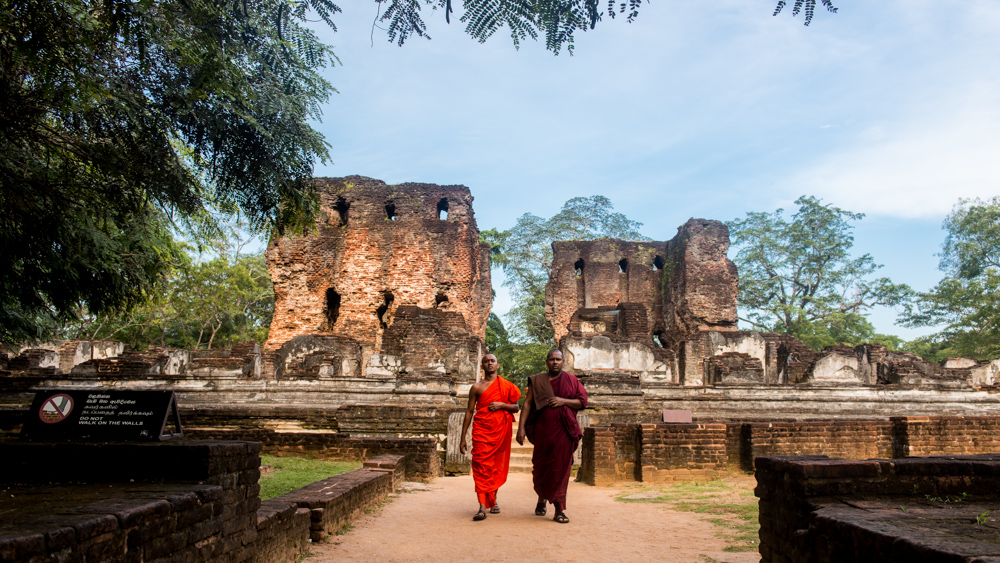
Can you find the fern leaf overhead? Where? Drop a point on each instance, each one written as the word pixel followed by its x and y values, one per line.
pixel 557 20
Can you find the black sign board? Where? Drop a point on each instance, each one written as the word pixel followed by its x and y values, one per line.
pixel 58 414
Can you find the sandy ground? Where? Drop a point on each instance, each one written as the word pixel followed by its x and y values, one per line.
pixel 436 524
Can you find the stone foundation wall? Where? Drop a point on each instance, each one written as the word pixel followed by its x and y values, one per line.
pixel 850 439
pixel 670 452
pixel 816 509
pixel 421 459
pixel 282 532
pixel 176 501
pixel 954 435
pixel 682 452
pixel 652 453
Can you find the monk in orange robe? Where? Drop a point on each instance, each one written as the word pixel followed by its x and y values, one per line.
pixel 494 402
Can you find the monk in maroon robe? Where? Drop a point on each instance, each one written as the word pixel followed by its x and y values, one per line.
pixel 549 422
pixel 493 400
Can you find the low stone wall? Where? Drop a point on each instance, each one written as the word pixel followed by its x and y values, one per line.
pixel 668 452
pixel 176 501
pixel 681 452
pixel 652 452
pixel 422 460
pixel 956 435
pixel 929 509
pixel 282 532
pixel 849 439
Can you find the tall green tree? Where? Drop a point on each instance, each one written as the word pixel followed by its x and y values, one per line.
pixel 123 121
pixel 798 277
pixel 214 295
pixel 525 254
pixel 518 360
pixel 967 301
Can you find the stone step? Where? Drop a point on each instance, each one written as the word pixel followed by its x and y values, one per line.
pixel 519 469
pixel 520 459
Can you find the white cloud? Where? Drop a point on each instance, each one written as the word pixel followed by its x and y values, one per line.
pixel 917 165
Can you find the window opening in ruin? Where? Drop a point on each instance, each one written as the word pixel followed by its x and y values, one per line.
pixel 390 211
pixel 332 307
pixel 439 299
pixel 443 209
pixel 579 268
pixel 658 262
pixel 658 339
pixel 341 207
pixel 387 299
pixel 623 265
pixel 581 286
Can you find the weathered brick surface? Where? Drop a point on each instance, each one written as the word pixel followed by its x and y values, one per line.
pixel 177 501
pixel 679 287
pixel 818 509
pixel 953 435
pixel 652 453
pixel 379 250
pixel 337 501
pixel 851 439
pixel 647 452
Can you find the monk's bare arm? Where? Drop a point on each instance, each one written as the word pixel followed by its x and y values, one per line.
pixel 501 406
pixel 529 405
pixel 467 419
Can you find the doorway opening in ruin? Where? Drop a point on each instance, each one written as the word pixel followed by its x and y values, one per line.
pixel 623 266
pixel 341 207
pixel 387 299
pixel 390 211
pixel 658 262
pixel 658 339
pixel 332 307
pixel 443 209
pixel 439 299
pixel 580 285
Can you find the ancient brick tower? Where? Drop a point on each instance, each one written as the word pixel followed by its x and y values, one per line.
pixel 390 293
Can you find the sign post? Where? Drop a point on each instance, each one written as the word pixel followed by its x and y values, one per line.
pixel 58 414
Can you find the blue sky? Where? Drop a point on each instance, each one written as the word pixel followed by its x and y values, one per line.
pixel 696 109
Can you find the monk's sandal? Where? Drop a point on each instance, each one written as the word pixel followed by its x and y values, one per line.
pixel 479 516
pixel 561 518
pixel 540 509
pixel 495 509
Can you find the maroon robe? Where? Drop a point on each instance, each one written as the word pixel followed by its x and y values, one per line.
pixel 555 434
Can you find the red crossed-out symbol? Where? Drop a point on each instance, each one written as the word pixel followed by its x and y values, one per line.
pixel 56 408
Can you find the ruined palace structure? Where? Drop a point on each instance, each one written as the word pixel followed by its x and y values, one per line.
pixel 380 316
pixel 655 324
pixel 392 290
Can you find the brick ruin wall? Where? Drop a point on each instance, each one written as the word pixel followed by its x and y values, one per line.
pixel 380 319
pixel 174 501
pixel 383 256
pixel 816 509
pixel 678 452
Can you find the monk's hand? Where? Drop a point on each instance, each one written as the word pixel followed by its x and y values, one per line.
pixel 495 406
pixel 520 436
pixel 556 402
pixel 463 446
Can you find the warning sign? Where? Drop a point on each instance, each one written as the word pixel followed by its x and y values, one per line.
pixel 100 414
pixel 56 408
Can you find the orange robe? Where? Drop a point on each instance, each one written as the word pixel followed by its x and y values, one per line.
pixel 491 432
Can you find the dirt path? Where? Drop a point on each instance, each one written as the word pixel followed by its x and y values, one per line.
pixel 436 524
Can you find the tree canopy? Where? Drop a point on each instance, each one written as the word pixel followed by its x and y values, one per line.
pixel 525 254
pixel 967 301
pixel 123 122
pixel 557 20
pixel 798 277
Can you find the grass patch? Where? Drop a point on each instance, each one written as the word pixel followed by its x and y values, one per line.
pixel 292 473
pixel 731 506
